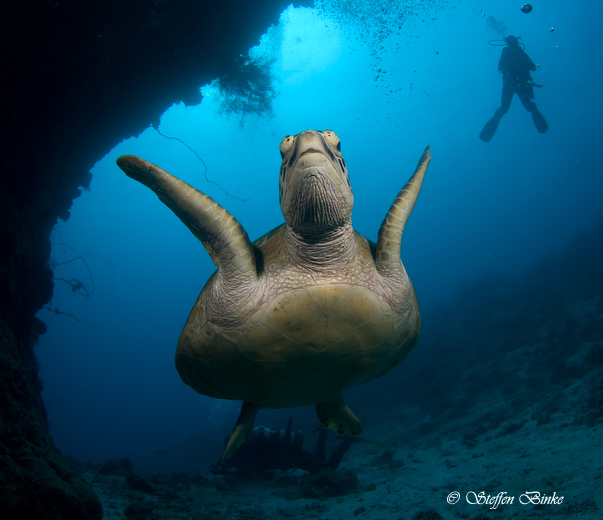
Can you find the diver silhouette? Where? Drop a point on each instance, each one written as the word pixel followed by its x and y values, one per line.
pixel 268 450
pixel 515 66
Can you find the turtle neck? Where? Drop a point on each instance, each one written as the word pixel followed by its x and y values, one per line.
pixel 326 251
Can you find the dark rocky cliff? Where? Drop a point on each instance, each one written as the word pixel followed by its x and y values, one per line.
pixel 78 77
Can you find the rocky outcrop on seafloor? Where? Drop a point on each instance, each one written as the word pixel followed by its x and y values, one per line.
pixel 36 481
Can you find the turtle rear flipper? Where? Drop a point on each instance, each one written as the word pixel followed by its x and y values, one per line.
pixel 336 415
pixel 242 429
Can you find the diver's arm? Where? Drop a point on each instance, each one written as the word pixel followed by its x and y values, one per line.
pixel 528 61
pixel 502 63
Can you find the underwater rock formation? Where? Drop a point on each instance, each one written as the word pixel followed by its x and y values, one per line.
pixel 81 77
pixel 36 481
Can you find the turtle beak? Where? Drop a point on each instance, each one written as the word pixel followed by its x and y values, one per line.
pixel 310 157
pixel 310 142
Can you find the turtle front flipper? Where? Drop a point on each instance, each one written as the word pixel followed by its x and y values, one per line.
pixel 390 234
pixel 336 415
pixel 224 238
pixel 242 429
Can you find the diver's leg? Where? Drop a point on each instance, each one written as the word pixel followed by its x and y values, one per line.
pixel 527 100
pixel 337 457
pixel 505 99
pixel 526 95
pixel 321 445
pixel 286 447
pixel 491 126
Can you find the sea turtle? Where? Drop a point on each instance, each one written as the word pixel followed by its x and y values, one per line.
pixel 307 310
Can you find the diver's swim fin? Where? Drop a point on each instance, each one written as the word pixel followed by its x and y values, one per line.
pixel 489 129
pixel 539 121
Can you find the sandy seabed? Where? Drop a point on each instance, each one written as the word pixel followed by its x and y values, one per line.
pixel 559 464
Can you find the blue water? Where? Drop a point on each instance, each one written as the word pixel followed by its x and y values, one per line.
pixel 388 85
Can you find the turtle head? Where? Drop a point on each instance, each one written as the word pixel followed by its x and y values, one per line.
pixel 315 191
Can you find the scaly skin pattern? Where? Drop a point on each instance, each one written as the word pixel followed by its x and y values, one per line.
pixel 309 309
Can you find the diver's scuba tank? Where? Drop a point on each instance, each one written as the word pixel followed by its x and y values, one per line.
pixel 288 437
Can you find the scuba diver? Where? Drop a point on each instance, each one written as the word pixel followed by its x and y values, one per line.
pixel 515 66
pixel 268 450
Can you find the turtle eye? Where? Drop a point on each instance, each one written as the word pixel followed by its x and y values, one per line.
pixel 332 139
pixel 285 145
